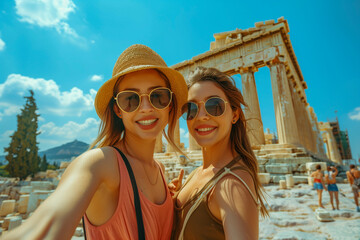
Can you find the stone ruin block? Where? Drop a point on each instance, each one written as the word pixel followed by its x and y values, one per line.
pixel 42 185
pixel 26 189
pixel 300 179
pixel 277 178
pixel 23 203
pixel 278 168
pixel 7 206
pixel 51 173
pixel 264 178
pixel 289 180
pixel 282 184
pixel 36 198
pixel 3 197
pixel 311 166
pixel 14 222
pixel 6 222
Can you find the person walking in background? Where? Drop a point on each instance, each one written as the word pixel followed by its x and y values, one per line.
pixel 118 187
pixel 330 177
pixel 353 176
pixel 318 183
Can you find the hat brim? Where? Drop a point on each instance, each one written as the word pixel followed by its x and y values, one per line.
pixel 176 80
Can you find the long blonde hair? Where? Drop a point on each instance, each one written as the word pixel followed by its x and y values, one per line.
pixel 239 140
pixel 112 130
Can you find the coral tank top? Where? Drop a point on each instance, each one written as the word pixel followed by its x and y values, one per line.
pixel 158 219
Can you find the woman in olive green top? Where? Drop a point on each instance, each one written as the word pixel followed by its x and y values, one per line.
pixel 222 198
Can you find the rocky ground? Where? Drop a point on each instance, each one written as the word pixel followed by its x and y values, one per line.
pixel 292 215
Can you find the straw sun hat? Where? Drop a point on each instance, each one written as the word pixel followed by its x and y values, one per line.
pixel 135 58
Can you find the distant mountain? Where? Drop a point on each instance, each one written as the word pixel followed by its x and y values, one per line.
pixel 62 153
pixel 66 151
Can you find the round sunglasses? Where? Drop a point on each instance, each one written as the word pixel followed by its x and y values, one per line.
pixel 214 106
pixel 129 101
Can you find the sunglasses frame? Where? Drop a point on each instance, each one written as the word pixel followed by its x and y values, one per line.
pixel 140 97
pixel 204 102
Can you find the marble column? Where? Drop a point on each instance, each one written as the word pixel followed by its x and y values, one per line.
pixel 252 111
pixel 333 151
pixel 159 144
pixel 317 135
pixel 284 109
pixel 170 148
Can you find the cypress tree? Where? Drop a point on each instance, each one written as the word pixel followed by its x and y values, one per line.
pixel 44 164
pixel 22 153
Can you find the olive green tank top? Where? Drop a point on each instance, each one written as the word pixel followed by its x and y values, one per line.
pixel 194 219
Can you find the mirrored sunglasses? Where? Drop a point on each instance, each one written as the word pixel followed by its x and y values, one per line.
pixel 129 101
pixel 214 106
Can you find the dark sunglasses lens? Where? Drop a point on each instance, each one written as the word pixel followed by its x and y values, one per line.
pixel 189 111
pixel 128 101
pixel 215 106
pixel 160 98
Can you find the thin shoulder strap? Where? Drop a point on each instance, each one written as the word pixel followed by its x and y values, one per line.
pixel 235 160
pixel 208 188
pixel 139 218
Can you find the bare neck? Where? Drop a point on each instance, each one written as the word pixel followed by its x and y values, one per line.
pixel 217 155
pixel 139 149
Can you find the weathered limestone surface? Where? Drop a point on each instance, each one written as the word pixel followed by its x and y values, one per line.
pixel 7 206
pixel 42 185
pixel 252 111
pixel 329 139
pixel 292 215
pixel 23 203
pixel 14 222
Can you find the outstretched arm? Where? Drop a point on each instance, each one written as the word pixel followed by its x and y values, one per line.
pixel 232 203
pixel 58 216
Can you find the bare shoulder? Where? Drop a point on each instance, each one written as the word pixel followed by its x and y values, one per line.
pixel 230 185
pixel 101 162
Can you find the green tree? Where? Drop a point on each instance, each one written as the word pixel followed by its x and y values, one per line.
pixel 22 153
pixel 44 164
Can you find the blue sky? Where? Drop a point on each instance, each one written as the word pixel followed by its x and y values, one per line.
pixel 65 49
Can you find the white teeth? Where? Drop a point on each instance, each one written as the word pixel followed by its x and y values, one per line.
pixel 147 122
pixel 204 129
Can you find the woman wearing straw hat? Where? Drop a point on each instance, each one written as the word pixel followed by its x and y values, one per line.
pixel 118 187
pixel 222 198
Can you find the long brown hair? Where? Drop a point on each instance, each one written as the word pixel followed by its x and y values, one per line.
pixel 239 140
pixel 112 130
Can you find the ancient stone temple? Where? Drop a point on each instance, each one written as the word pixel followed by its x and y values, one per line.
pixel 300 137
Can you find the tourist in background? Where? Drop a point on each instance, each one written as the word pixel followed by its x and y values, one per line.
pixel 222 198
pixel 319 185
pixel 134 106
pixel 353 176
pixel 330 177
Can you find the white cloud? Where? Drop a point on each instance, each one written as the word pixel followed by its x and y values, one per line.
pixel 86 131
pixel 2 44
pixel 47 13
pixel 47 94
pixel 8 109
pixel 355 115
pixel 96 78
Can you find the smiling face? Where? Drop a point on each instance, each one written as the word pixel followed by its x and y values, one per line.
pixel 146 122
pixel 206 129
